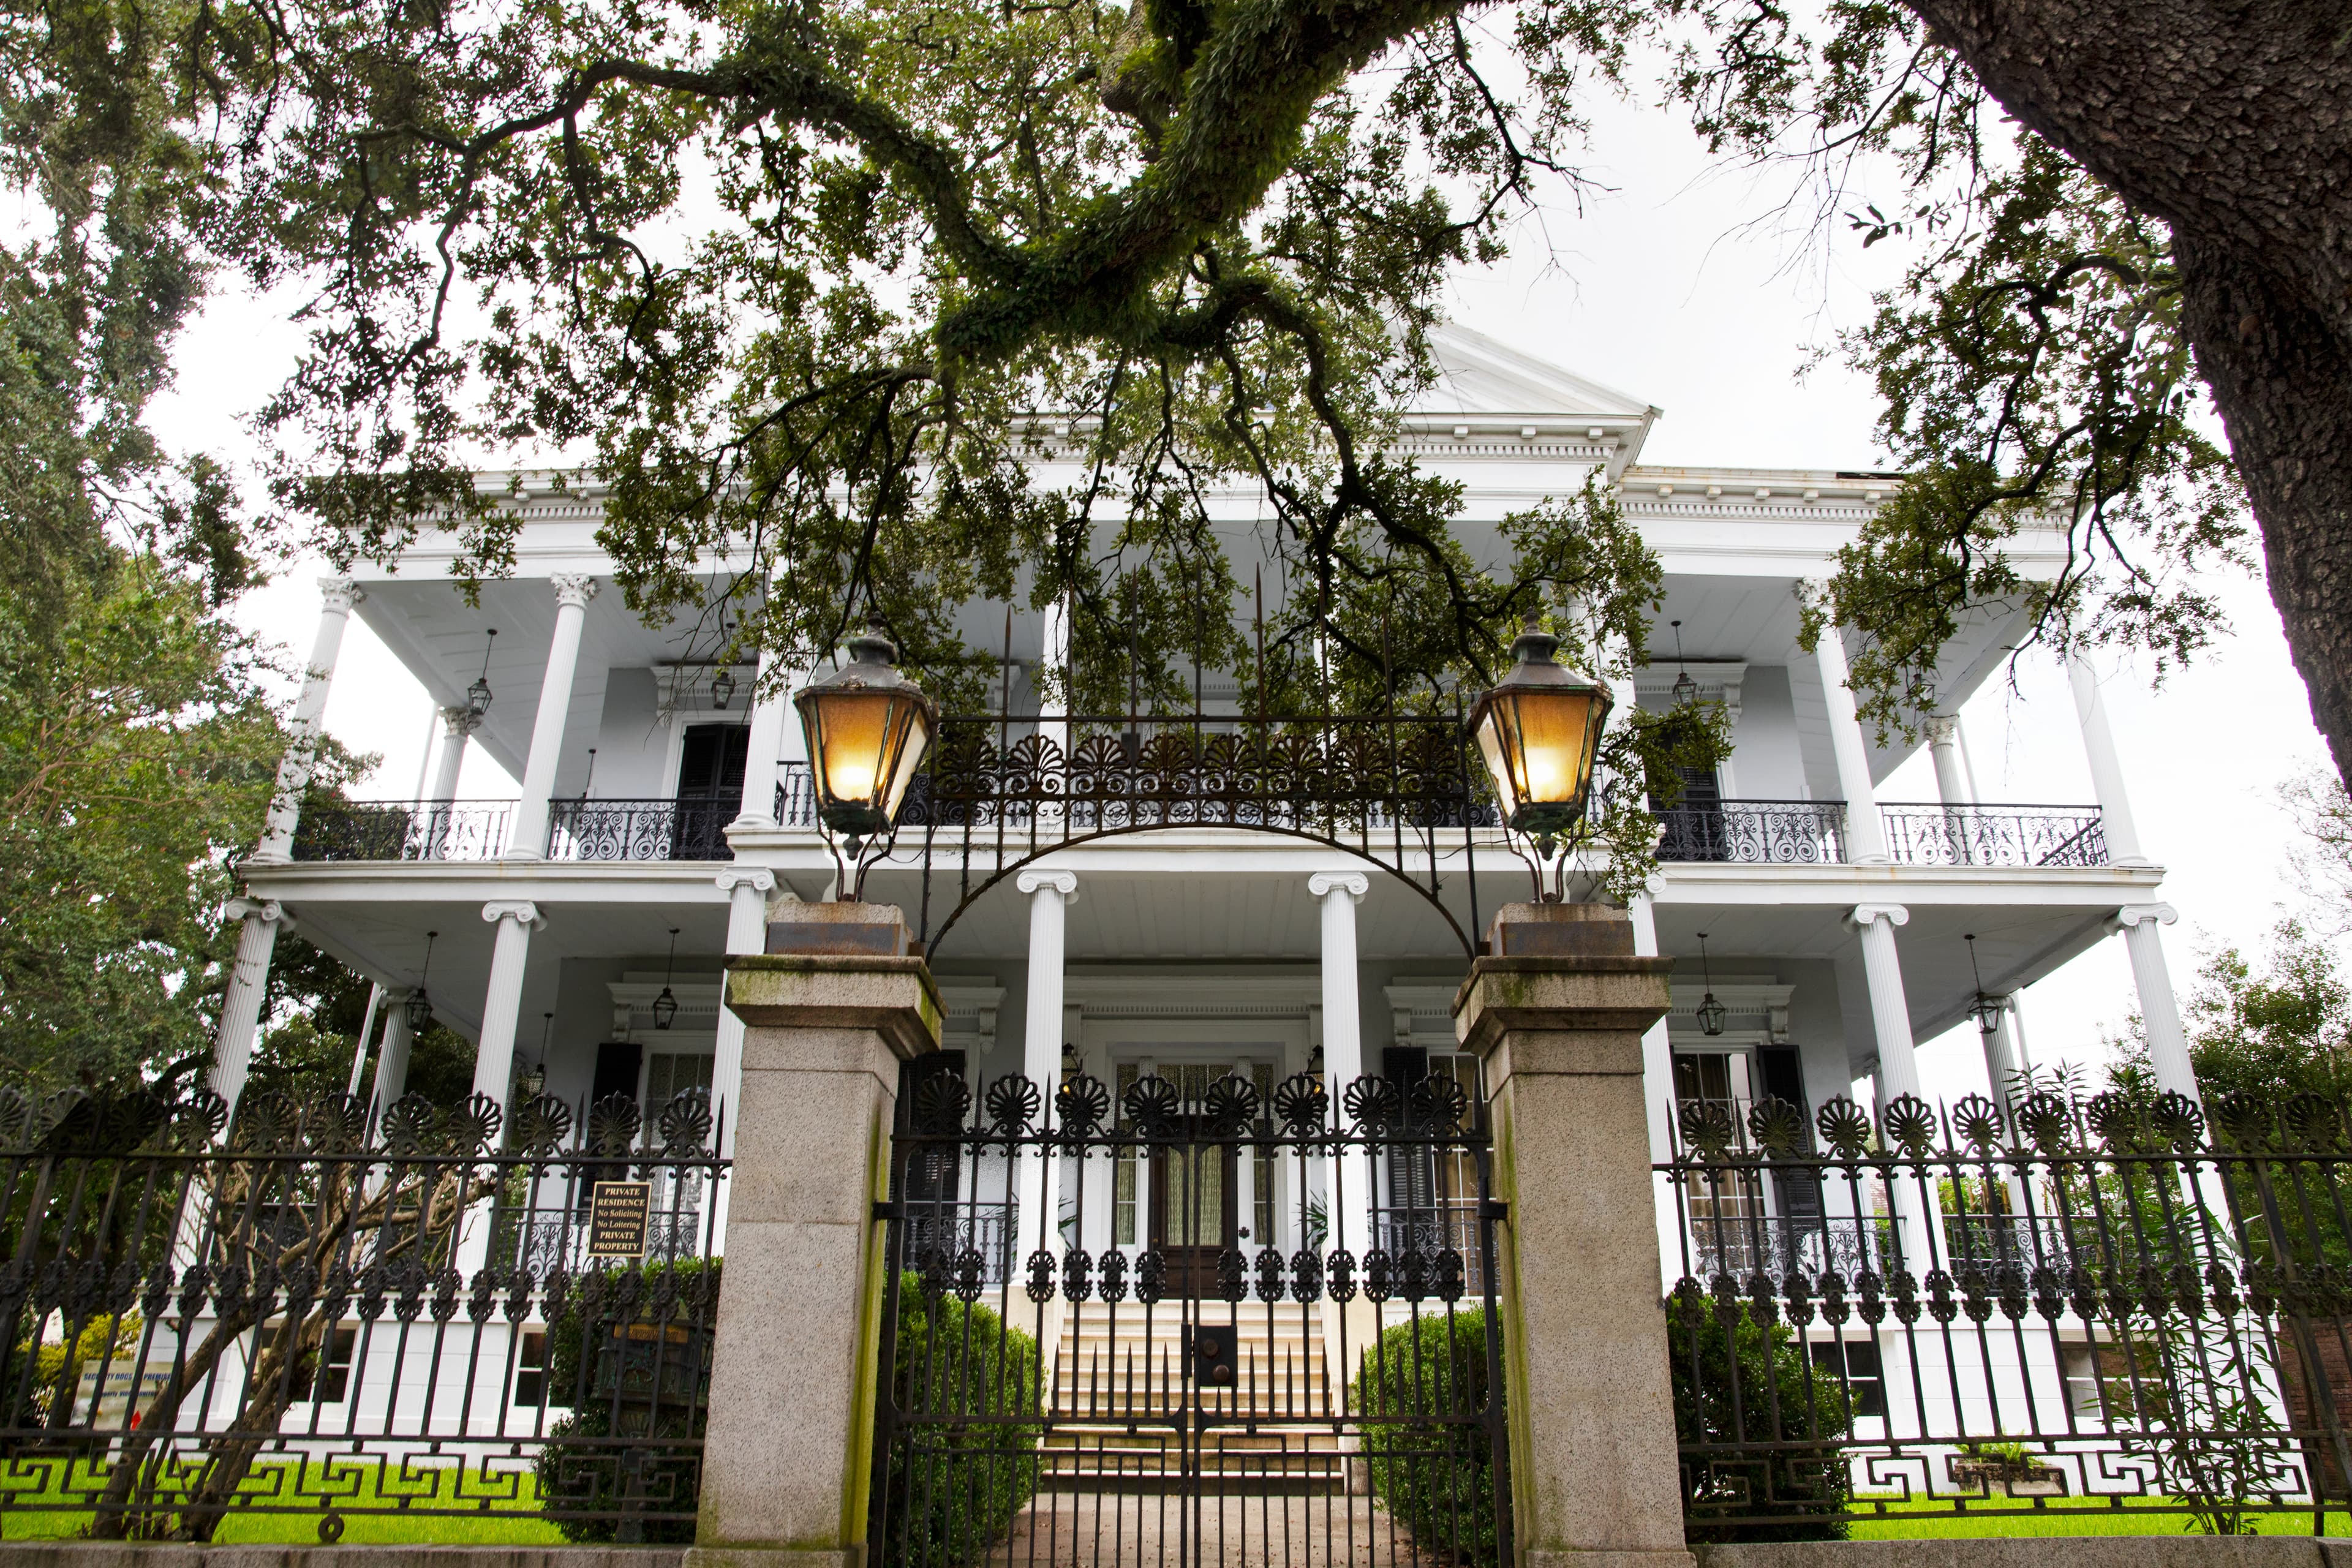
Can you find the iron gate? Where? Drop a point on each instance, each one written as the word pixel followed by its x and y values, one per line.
pixel 1256 1330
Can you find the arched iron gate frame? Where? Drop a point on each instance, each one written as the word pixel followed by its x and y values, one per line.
pixel 1187 1381
pixel 1374 787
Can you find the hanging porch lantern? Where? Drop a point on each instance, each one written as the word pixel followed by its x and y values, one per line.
pixel 420 1009
pixel 867 727
pixel 1711 1013
pixel 1986 1009
pixel 722 688
pixel 477 696
pixel 1539 730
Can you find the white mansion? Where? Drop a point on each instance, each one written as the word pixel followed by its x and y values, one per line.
pixel 664 814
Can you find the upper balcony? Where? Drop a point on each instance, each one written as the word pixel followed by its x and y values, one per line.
pixel 1813 833
pixel 694 829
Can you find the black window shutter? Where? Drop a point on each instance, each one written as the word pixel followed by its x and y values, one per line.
pixel 616 1070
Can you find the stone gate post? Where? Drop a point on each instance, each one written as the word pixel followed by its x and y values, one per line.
pixel 1556 1015
pixel 830 1011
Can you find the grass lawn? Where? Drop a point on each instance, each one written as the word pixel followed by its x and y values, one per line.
pixel 1920 1520
pixel 503 1511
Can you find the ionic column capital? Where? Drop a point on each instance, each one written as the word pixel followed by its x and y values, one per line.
pixel 522 911
pixel 573 589
pixel 1864 915
pixel 269 909
pixel 1355 884
pixel 1063 882
pixel 2131 915
pixel 337 595
pixel 756 877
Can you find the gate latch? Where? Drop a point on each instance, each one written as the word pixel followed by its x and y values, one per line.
pixel 1211 1353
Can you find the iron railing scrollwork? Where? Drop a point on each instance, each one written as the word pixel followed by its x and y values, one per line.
pixel 206 1322
pixel 2104 1299
pixel 678 827
pixel 1755 832
pixel 1995 835
pixel 402 830
pixel 1403 791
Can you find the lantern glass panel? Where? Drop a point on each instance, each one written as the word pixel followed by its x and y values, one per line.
pixel 1538 747
pixel 852 743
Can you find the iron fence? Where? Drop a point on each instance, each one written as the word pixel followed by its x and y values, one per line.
pixel 1755 832
pixel 1995 835
pixel 1183 1397
pixel 322 1318
pixel 2095 1303
pixel 679 827
pixel 402 830
pixel 944 1229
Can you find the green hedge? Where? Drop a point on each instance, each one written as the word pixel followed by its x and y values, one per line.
pixel 574 1469
pixel 1437 1481
pixel 1782 1399
pixel 954 1487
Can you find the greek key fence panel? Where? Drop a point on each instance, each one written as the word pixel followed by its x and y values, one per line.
pixel 2102 1303
pixel 448 1312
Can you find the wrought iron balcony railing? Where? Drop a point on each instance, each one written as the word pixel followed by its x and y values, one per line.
pixel 1756 832
pixel 940 1232
pixel 542 1240
pixel 686 827
pixel 1785 1245
pixel 403 830
pixel 795 796
pixel 1930 834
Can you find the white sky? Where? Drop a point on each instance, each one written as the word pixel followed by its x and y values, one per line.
pixel 1657 290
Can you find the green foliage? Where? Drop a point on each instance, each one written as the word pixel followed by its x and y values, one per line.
pixel 2281 1030
pixel 1437 1479
pixel 636 1378
pixel 953 1488
pixel 1776 1397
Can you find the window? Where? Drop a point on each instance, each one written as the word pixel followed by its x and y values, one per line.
pixel 531 1371
pixel 672 1073
pixel 334 1380
pixel 1855 1366
pixel 1123 1172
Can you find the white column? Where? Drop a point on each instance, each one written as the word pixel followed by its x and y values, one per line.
pixel 1055 657
pixel 458 724
pixel 1890 1012
pixel 2159 1013
pixel 336 597
pixel 1037 1185
pixel 1865 834
pixel 2001 1055
pixel 572 595
pixel 1658 1100
pixel 502 1001
pixel 1343 1047
pixel 1951 775
pixel 747 888
pixel 772 701
pixel 391 1061
pixel 2106 767
pixel 367 1032
pixel 249 982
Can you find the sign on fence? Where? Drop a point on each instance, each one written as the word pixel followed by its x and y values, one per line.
pixel 618 1212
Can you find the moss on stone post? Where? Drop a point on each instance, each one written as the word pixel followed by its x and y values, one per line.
pixel 829 1014
pixel 1556 1015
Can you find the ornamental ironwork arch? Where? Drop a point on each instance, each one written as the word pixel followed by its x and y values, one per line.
pixel 1390 790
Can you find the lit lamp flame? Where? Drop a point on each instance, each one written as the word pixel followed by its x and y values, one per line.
pixel 1539 730
pixel 867 727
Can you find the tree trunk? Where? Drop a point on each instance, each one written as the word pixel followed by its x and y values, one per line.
pixel 2283 383
pixel 2234 124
